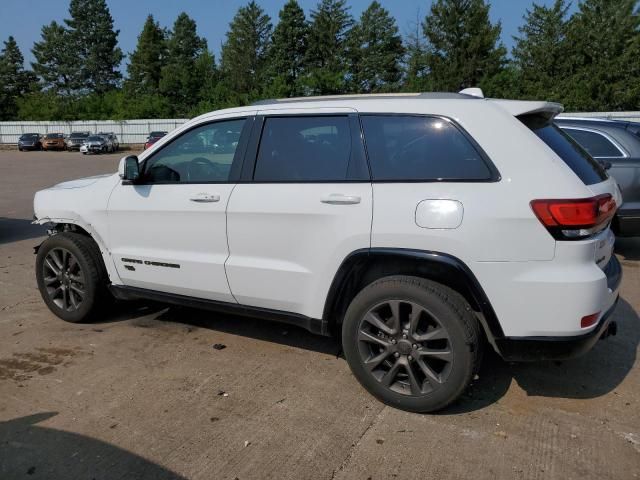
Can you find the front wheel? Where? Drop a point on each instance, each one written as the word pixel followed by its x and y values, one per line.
pixel 71 277
pixel 412 343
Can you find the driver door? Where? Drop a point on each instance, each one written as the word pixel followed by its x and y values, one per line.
pixel 168 231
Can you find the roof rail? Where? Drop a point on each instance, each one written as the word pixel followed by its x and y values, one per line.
pixel 367 96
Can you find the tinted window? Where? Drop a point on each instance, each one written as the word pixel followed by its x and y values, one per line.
pixel 576 158
pixel 420 148
pixel 204 154
pixel 298 149
pixel 596 144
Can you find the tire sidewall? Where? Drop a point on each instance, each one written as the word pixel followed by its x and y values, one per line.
pixel 88 268
pixel 394 288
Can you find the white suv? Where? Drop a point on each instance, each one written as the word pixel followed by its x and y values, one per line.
pixel 416 227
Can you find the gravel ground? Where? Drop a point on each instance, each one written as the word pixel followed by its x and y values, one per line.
pixel 145 395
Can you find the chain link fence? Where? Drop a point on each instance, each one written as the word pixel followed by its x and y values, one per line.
pixel 128 131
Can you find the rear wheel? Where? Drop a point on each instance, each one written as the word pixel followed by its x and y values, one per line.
pixel 71 277
pixel 412 343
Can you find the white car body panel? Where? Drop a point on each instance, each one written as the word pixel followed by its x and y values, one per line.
pixel 161 224
pixel 286 245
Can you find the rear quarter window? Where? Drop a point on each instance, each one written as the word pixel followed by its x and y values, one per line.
pixel 571 153
pixel 421 148
pixel 593 142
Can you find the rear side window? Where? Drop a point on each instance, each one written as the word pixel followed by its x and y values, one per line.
pixel 595 143
pixel 576 158
pixel 420 148
pixel 304 149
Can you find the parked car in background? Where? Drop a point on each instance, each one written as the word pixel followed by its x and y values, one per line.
pixel 95 144
pixel 54 141
pixel 30 141
pixel 75 140
pixel 112 141
pixel 153 138
pixel 616 144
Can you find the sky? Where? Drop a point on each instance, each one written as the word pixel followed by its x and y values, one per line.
pixel 24 18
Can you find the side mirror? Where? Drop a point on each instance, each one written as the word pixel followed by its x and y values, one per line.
pixel 129 170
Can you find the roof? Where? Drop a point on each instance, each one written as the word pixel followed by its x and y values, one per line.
pixel 374 96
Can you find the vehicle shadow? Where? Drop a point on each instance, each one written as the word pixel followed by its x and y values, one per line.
pixel 28 450
pixel 596 373
pixel 259 329
pixel 628 248
pixel 16 229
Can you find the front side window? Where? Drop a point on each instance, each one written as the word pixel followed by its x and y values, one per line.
pixel 299 149
pixel 595 143
pixel 204 154
pixel 413 148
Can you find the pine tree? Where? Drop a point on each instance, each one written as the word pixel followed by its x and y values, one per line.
pixel 244 53
pixel 604 36
pixel 415 61
pixel 287 55
pixel 15 81
pixel 94 42
pixel 375 52
pixel 56 65
pixel 463 45
pixel 326 58
pixel 145 64
pixel 180 80
pixel 540 52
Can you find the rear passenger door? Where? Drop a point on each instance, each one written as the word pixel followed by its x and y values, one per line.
pixel 303 204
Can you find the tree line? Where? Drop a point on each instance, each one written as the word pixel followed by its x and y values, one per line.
pixel 587 60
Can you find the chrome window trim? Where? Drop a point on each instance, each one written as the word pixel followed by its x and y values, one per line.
pixel 603 134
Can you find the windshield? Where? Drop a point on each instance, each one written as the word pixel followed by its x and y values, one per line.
pixel 28 136
pixel 78 135
pixel 157 134
pixel 576 157
pixel 54 135
pixel 95 138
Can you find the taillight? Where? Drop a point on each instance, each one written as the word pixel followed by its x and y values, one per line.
pixel 575 219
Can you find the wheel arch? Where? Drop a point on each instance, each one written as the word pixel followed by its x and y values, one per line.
pixel 58 225
pixel 363 267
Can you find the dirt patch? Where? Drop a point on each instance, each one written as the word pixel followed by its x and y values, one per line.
pixel 22 366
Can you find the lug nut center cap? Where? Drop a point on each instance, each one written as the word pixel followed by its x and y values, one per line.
pixel 404 347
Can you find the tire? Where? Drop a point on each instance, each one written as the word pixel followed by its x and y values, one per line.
pixel 79 257
pixel 19 149
pixel 433 363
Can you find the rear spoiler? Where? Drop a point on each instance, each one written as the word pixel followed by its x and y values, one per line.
pixel 524 108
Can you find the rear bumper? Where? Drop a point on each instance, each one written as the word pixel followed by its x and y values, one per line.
pixel 626 223
pixel 528 349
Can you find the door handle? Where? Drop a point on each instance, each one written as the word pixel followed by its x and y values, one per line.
pixel 340 199
pixel 205 198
